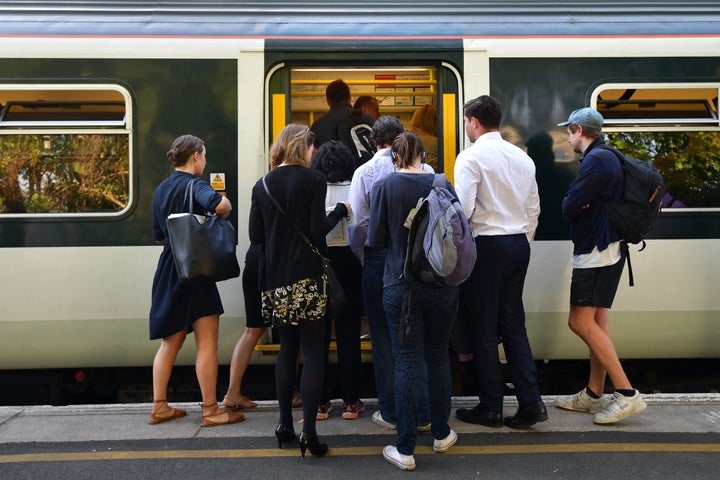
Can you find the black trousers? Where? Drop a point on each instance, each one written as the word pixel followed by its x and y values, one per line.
pixel 492 307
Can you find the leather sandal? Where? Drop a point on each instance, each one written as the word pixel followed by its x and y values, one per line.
pixel 219 416
pixel 169 413
pixel 240 404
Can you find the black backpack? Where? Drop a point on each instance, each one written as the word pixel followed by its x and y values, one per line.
pixel 634 214
pixel 355 134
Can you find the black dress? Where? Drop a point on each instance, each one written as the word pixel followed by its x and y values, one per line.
pixel 175 305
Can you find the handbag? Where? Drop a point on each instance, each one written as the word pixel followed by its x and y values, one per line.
pixel 338 299
pixel 203 246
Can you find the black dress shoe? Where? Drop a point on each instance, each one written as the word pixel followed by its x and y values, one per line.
pixel 527 416
pixel 479 416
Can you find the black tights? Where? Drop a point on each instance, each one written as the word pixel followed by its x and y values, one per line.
pixel 311 335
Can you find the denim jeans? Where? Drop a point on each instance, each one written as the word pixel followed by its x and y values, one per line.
pixel 382 353
pixel 423 350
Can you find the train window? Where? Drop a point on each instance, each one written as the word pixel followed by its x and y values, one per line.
pixel 64 150
pixel 675 126
pixel 658 104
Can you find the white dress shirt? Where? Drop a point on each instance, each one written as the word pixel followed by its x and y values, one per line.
pixel 495 182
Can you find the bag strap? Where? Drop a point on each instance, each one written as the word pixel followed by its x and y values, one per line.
pixel 625 247
pixel 439 180
pixel 292 222
pixel 189 187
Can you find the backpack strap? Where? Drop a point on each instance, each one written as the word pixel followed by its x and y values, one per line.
pixel 439 180
pixel 626 249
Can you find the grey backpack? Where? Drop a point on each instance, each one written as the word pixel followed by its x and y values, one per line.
pixel 441 248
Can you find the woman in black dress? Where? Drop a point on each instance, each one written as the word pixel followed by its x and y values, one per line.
pixel 288 259
pixel 179 308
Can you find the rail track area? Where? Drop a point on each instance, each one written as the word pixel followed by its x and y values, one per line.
pixel 133 385
pixel 677 436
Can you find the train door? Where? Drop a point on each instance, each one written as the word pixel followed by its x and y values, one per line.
pixel 295 93
pixel 425 97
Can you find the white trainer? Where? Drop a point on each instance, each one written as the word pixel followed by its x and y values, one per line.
pixel 442 446
pixel 581 402
pixel 620 407
pixel 379 420
pixel 403 462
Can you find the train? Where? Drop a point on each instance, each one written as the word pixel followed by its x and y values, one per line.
pixel 92 93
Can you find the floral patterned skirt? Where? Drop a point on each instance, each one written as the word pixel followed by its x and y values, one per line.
pixel 296 303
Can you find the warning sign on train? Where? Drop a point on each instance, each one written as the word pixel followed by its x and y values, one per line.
pixel 217 181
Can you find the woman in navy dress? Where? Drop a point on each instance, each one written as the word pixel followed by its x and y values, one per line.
pixel 179 308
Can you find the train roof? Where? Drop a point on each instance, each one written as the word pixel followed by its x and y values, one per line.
pixel 317 19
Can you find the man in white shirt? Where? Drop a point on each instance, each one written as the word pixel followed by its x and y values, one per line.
pixel 495 182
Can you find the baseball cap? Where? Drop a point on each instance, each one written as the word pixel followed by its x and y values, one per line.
pixel 587 117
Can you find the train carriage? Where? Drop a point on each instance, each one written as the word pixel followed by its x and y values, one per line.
pixel 93 92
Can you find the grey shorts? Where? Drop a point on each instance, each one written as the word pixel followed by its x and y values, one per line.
pixel 596 287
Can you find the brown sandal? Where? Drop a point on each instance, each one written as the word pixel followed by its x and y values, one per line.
pixel 219 416
pixel 240 404
pixel 169 413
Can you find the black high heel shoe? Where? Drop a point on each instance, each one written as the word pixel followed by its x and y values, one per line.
pixel 284 433
pixel 311 443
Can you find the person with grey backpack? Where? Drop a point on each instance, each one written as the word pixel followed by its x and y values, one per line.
pixel 419 314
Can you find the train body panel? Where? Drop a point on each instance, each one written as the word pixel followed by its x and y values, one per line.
pixel 75 288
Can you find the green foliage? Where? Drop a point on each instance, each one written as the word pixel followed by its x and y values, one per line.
pixel 64 173
pixel 688 161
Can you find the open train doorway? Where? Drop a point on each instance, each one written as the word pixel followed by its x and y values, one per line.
pixel 424 97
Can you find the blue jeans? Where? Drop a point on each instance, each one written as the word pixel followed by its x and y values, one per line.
pixel 382 353
pixel 423 350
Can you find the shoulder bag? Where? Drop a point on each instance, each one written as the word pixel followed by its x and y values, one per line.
pixel 203 246
pixel 338 299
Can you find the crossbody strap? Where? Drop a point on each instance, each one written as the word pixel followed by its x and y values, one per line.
pixel 292 222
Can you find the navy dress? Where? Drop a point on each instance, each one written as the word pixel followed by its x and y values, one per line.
pixel 175 305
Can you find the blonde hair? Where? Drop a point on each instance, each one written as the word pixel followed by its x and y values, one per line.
pixel 291 146
pixel 425 118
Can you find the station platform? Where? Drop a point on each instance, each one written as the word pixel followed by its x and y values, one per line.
pixel 665 413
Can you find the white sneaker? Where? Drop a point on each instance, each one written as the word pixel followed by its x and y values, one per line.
pixel 442 446
pixel 581 402
pixel 379 420
pixel 424 428
pixel 403 462
pixel 620 407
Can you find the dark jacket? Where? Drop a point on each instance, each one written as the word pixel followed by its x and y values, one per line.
pixel 599 180
pixel 301 193
pixel 391 201
pixel 325 128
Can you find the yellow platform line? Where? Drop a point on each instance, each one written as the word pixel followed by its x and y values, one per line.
pixel 365 346
pixel 362 451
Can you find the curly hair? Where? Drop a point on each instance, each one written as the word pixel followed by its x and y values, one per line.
pixel 385 130
pixel 335 160
pixel 291 146
pixel 183 147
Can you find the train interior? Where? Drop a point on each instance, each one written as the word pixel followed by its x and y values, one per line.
pixel 404 92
